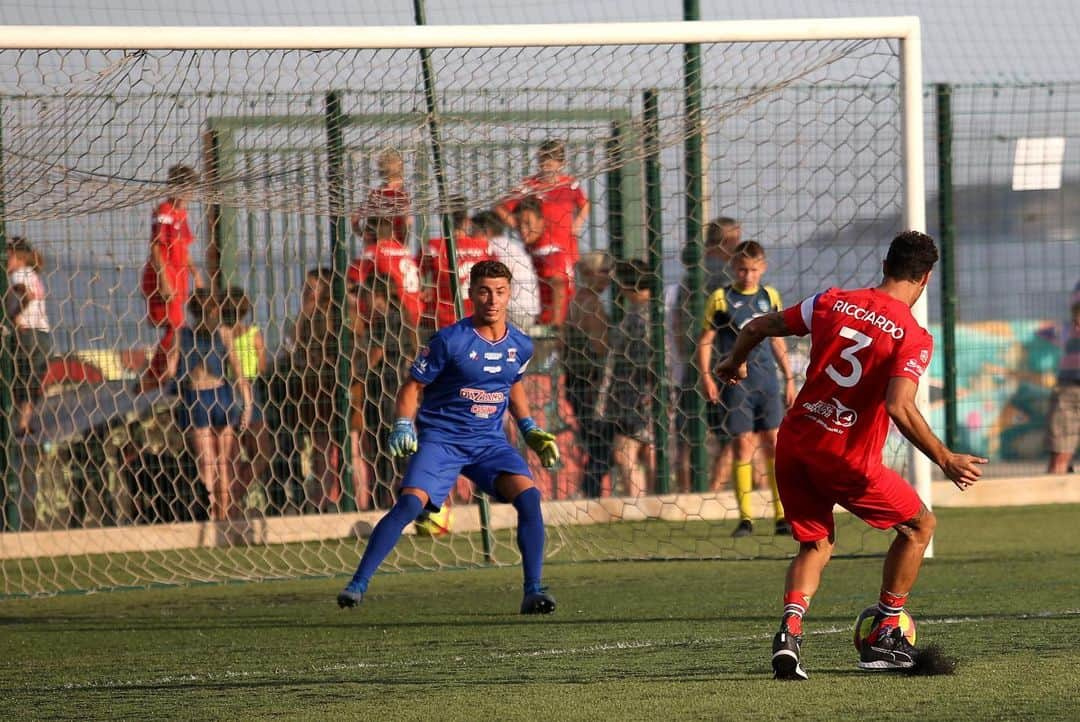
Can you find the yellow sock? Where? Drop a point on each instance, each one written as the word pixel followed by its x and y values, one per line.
pixel 778 508
pixel 743 473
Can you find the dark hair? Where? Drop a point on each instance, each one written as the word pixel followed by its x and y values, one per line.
pixel 21 247
pixel 552 149
pixel 634 274
pixel 748 249
pixel 717 228
pixel 181 176
pixel 911 255
pixel 200 302
pixel 489 269
pixel 458 207
pixel 530 203
pixel 488 222
pixel 235 306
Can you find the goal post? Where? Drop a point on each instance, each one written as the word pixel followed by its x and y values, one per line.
pixel 810 135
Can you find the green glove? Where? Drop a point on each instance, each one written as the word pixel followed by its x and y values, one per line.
pixel 540 441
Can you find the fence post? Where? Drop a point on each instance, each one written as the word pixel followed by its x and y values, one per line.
pixel 655 246
pixel 339 228
pixel 947 242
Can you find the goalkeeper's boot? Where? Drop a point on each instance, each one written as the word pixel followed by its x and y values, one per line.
pixel 889 650
pixel 786 656
pixel 349 597
pixel 538 602
pixel 745 528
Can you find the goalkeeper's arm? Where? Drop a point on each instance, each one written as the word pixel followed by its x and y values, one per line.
pixel 540 441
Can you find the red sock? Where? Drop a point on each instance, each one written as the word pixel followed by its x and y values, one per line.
pixel 795 606
pixel 890 605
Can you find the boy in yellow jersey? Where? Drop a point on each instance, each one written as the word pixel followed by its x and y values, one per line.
pixel 749 413
pixel 250 347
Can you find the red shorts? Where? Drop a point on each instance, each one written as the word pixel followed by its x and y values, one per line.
pixel 811 482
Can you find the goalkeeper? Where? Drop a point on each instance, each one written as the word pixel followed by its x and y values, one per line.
pixel 468 376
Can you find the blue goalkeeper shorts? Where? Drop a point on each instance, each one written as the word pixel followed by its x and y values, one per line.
pixel 436 465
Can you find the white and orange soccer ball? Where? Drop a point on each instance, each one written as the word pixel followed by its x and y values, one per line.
pixel 864 625
pixel 436 523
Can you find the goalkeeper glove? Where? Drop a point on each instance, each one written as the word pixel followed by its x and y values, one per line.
pixel 540 441
pixel 403 438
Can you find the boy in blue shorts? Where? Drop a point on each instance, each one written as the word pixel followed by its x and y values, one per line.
pixel 467 378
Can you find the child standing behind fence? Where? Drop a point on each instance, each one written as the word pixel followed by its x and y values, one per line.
pixel 26 307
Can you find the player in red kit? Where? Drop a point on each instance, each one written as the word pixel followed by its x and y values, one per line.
pixel 554 265
pixel 867 354
pixel 566 208
pixel 389 199
pixel 388 258
pixel 168 271
pixel 435 266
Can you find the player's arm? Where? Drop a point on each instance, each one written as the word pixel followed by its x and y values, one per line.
pixel 961 469
pixel 580 216
pixel 703 352
pixel 780 353
pixel 540 441
pixel 732 367
pixel 403 439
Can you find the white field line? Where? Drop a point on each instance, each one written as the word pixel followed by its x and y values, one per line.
pixel 587 650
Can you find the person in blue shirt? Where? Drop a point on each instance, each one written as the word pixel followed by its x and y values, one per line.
pixel 463 383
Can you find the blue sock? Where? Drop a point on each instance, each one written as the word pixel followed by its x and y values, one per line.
pixel 530 537
pixel 383 538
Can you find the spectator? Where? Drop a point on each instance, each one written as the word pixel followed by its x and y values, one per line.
pixel 389 344
pixel 525 290
pixel 585 353
pixel 722 235
pixel 553 264
pixel 388 258
pixel 26 309
pixel 169 269
pixel 207 411
pixel 314 356
pixel 1064 418
pixel 564 204
pixel 750 412
pixel 632 385
pixel 435 267
pixel 250 347
pixel 389 199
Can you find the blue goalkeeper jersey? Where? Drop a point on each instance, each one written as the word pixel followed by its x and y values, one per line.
pixel 467 383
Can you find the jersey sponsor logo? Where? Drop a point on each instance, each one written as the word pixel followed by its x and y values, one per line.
pixel 483 411
pixel 493 369
pixel 482 397
pixel 874 319
pixel 834 412
pixel 915 367
pixel 492 356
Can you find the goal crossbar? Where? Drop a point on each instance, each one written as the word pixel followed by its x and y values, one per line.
pixel 53 37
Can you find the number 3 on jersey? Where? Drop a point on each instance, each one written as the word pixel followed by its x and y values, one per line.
pixel 859 342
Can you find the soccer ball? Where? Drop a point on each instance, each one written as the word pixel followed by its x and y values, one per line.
pixel 435 523
pixel 864 625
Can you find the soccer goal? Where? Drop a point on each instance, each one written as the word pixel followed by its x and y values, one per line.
pixel 807 133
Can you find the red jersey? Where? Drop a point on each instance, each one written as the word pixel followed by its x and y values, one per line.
pixel 383 201
pixel 859 340
pixel 561 199
pixel 552 262
pixel 169 230
pixel 391 260
pixel 435 264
